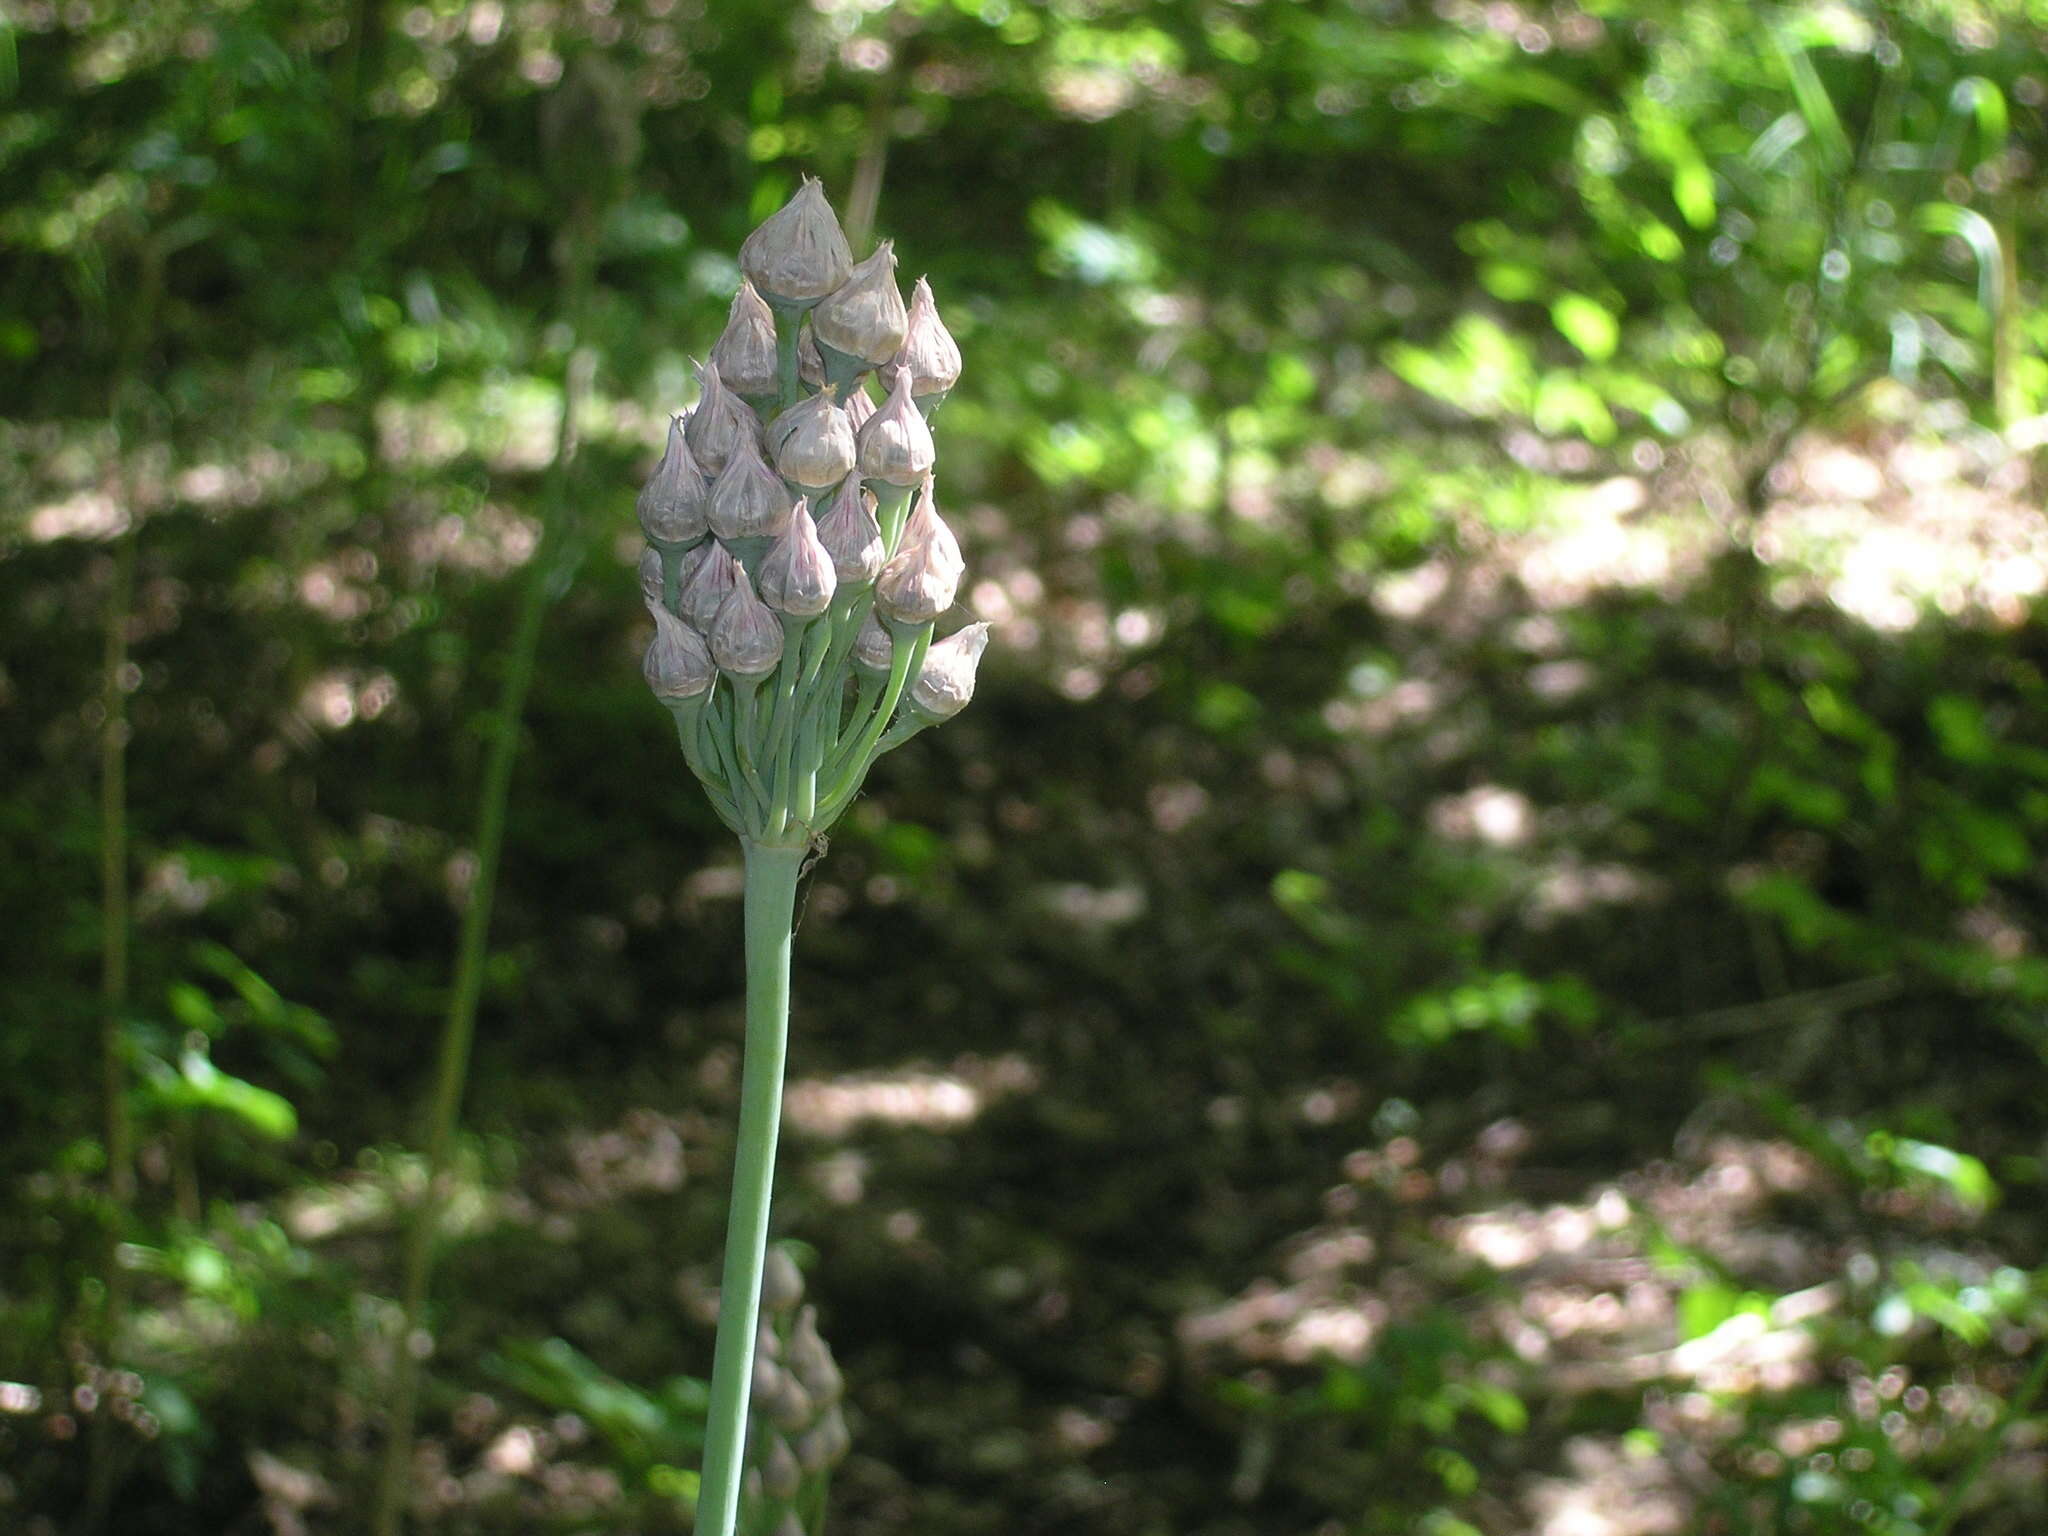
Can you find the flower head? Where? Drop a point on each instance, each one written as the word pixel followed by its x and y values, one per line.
pixel 745 352
pixel 849 532
pixel 748 500
pixel 674 503
pixel 677 666
pixel 720 423
pixel 895 444
pixel 921 578
pixel 928 349
pixel 865 318
pixel 799 254
pixel 946 682
pixel 746 637
pixel 705 586
pixel 813 443
pixel 796 575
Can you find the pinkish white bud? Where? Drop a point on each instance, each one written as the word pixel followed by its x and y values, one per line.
pixel 650 575
pixel 799 254
pixel 918 583
pixel 926 525
pixel 746 636
pixel 895 444
pixel 706 586
pixel 928 350
pixel 677 666
pixel 874 648
pixel 745 352
pixel 796 575
pixel 859 406
pixel 674 502
pixel 720 423
pixel 749 500
pixel 865 319
pixel 946 682
pixel 849 532
pixel 813 443
pixel 811 1362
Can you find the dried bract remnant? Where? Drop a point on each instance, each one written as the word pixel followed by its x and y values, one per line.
pixel 799 254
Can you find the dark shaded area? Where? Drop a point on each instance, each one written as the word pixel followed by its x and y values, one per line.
pixel 1473 966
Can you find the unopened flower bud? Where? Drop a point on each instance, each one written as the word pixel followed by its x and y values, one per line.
pixel 859 406
pixel 720 423
pixel 865 319
pixel 849 532
pixel 895 444
pixel 748 500
pixel 824 1444
pixel 746 637
pixel 918 583
pixel 798 254
pixel 926 525
pixel 676 498
pixel 813 443
pixel 782 1284
pixel 812 1361
pixel 677 666
pixel 768 1379
pixel 745 352
pixel 928 350
pixel 796 575
pixel 705 587
pixel 650 575
pixel 780 1474
pixel 788 1407
pixel 874 648
pixel 946 683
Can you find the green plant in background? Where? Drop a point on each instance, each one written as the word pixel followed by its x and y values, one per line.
pixel 593 110
pixel 795 647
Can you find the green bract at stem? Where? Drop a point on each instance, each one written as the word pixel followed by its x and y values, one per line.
pixel 770 905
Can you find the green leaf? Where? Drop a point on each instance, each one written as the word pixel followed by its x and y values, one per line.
pixel 1692 189
pixel 1586 324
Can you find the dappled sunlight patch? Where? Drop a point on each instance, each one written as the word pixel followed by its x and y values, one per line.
pixel 1898 529
pixel 836 1106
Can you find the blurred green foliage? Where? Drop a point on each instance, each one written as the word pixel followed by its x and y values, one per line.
pixel 1475 959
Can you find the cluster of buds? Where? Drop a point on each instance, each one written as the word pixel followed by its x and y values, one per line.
pixel 798 1433
pixel 797 564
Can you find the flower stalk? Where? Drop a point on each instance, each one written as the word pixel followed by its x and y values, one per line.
pixel 808 539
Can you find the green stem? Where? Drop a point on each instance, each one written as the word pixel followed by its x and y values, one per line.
pixel 114 875
pixel 850 762
pixel 770 904
pixel 459 1027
